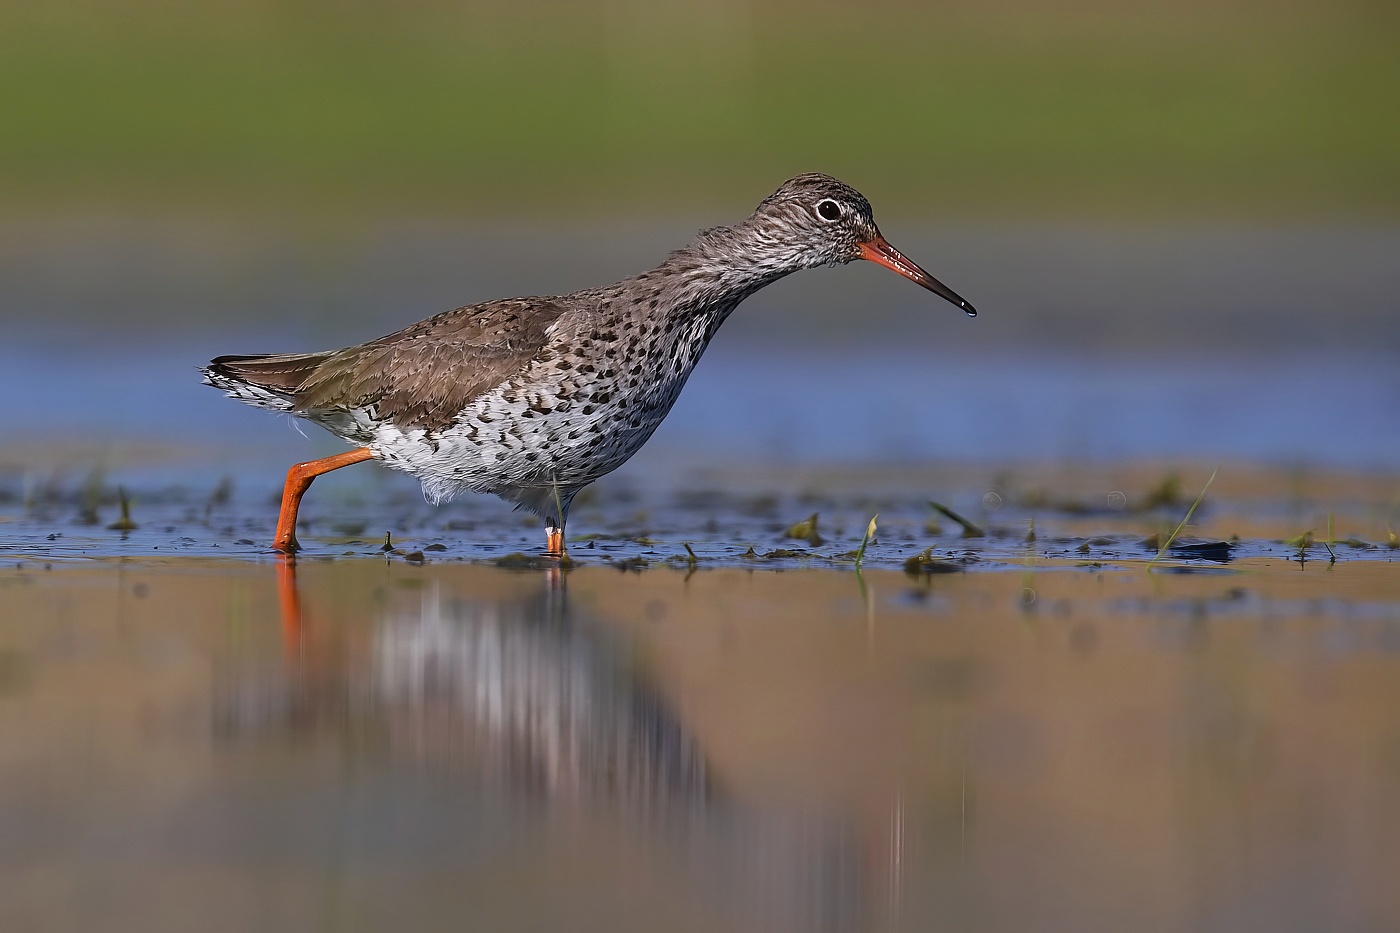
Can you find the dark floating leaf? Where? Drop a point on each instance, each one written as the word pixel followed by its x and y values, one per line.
pixel 1218 551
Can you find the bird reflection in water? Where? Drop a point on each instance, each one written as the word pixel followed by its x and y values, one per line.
pixel 541 704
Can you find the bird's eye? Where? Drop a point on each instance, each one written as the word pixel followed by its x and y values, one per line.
pixel 828 210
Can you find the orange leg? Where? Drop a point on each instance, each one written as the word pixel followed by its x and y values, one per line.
pixel 299 479
pixel 555 541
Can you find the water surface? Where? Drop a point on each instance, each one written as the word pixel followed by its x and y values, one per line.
pixel 376 744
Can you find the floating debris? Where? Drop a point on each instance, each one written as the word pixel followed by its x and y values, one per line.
pixel 925 563
pixel 969 530
pixel 1218 551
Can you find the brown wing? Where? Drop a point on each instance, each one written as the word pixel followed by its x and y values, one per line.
pixel 425 374
pixel 421 376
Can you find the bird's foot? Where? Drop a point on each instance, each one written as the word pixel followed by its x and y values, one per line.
pixel 554 547
pixel 287 547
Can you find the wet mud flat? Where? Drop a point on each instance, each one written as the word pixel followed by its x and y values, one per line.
pixel 376 743
pixel 926 518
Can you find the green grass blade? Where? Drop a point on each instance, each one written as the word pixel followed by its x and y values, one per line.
pixel 1189 512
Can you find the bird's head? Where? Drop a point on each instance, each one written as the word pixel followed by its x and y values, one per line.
pixel 816 220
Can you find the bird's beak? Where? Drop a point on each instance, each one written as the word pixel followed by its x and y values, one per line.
pixel 879 250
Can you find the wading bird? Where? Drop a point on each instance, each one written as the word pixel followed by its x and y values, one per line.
pixel 532 399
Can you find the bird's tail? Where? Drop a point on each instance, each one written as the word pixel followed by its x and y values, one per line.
pixel 266 380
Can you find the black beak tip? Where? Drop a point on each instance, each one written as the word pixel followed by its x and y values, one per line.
pixel 971 311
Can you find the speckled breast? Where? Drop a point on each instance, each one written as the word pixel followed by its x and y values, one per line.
pixel 568 419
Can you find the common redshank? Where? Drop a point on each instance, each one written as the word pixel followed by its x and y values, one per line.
pixel 532 399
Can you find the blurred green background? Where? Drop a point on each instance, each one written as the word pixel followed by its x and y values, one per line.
pixel 1015 109
pixel 1179 219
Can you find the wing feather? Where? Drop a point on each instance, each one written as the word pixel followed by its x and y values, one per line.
pixel 424 375
pixel 421 376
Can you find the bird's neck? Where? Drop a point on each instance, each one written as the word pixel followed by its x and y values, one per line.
pixel 721 267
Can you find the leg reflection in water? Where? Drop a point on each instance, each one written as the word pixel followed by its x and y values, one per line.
pixel 521 699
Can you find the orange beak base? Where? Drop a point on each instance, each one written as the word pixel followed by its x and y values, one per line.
pixel 879 250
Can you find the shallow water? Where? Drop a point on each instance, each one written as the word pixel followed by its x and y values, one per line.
pixel 736 516
pixel 368 743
